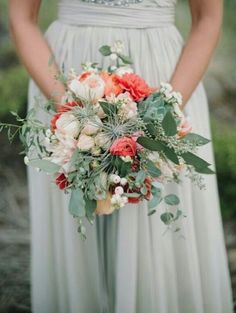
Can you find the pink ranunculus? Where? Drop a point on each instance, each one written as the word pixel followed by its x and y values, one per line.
pixel 124 146
pixel 135 85
pixel 184 128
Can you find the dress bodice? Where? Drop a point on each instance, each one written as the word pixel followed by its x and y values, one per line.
pixel 129 3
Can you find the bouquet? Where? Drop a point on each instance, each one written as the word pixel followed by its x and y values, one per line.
pixel 114 140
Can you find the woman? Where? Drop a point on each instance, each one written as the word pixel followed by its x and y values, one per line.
pixel 126 265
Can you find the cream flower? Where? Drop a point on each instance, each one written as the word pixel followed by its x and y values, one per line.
pixel 91 88
pixel 85 143
pixel 102 140
pixel 92 126
pixel 68 125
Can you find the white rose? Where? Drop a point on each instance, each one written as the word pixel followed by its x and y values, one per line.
pixel 124 70
pixel 123 181
pixel 102 140
pixel 114 178
pixel 119 190
pixel 85 143
pixel 92 126
pixel 68 125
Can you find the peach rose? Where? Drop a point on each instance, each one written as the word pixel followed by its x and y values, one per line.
pixel 104 206
pixel 135 85
pixel 184 127
pixel 111 85
pixel 124 146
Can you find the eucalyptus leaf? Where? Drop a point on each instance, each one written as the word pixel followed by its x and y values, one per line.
pixel 152 169
pixel 109 109
pixel 125 59
pixel 45 165
pixel 198 163
pixel 171 199
pixel 196 139
pixel 167 218
pixel 105 50
pixel 77 203
pixel 90 207
pixel 169 124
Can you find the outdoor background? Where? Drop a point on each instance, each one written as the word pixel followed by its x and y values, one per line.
pixel 220 83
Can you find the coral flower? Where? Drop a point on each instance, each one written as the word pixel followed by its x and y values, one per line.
pixel 135 85
pixel 111 84
pixel 124 146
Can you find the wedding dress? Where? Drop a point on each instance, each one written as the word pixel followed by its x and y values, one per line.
pixel 127 265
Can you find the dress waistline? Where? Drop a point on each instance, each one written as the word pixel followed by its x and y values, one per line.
pixel 78 13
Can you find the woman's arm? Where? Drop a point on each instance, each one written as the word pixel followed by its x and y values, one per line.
pixel 195 57
pixel 32 47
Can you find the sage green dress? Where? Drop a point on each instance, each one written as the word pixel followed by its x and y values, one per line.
pixel 127 265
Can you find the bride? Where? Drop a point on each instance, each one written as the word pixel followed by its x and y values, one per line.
pixel 126 265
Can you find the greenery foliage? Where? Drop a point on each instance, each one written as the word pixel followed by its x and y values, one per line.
pixel 14 80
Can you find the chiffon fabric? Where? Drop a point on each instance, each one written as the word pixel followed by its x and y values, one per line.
pixel 128 264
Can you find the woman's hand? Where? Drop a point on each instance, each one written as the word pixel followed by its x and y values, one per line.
pixel 32 47
pixel 195 57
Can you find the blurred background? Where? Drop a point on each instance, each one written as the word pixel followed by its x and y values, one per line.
pixel 220 83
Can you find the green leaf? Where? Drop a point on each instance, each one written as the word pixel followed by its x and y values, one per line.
pixel 167 218
pixel 151 129
pixel 205 170
pixel 171 155
pixel 169 124
pixel 140 177
pixel 198 163
pixel 154 145
pixel 125 168
pixel 77 203
pixel 150 144
pixel 151 211
pixel 125 59
pixel 152 169
pixel 171 199
pixel 105 50
pixel 45 165
pixel 196 139
pixel 178 214
pixel 109 109
pixel 90 207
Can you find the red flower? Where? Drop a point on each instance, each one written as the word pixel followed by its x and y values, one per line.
pixel 135 85
pixel 61 181
pixel 54 120
pixel 67 106
pixel 134 200
pixel 124 146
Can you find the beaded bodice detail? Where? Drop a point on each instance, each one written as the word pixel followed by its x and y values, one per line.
pixel 128 3
pixel 114 2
